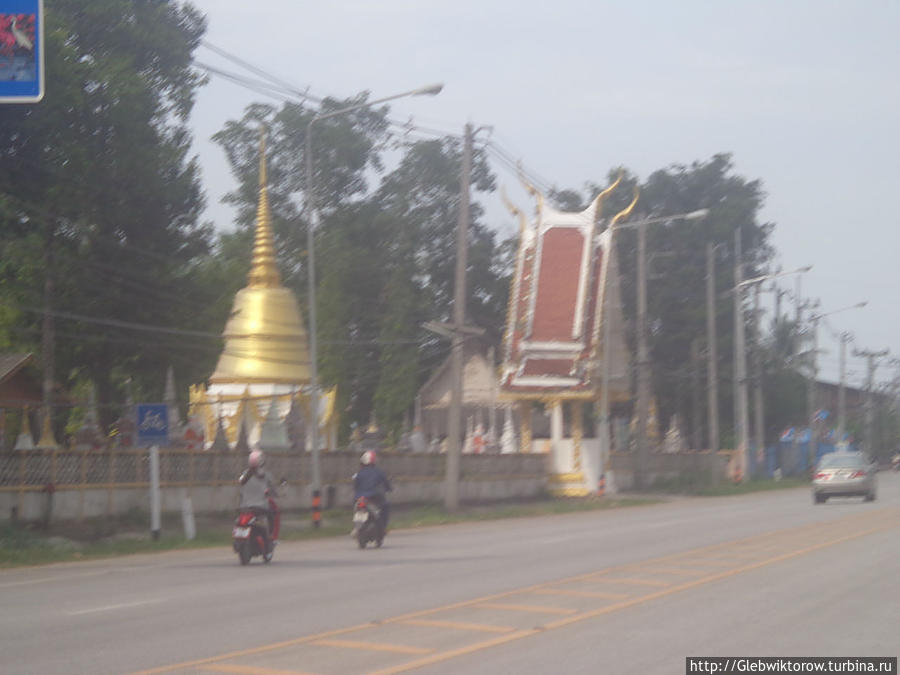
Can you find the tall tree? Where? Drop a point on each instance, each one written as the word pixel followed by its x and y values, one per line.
pixel 384 256
pixel 99 172
pixel 676 311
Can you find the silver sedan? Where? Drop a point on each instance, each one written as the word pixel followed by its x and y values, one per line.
pixel 843 474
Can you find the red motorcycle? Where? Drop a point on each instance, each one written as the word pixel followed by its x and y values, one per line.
pixel 250 535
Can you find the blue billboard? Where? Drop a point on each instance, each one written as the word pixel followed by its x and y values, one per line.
pixel 21 51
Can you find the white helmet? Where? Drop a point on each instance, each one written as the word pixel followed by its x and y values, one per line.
pixel 257 459
pixel 368 457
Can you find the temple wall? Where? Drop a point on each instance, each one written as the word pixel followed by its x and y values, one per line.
pixel 96 484
pixel 681 466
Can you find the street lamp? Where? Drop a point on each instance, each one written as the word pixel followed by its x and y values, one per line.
pixel 643 362
pixel 759 280
pixel 313 215
pixel 743 415
pixel 814 374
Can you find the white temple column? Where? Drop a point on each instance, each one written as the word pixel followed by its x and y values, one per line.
pixel 508 440
pixel 556 426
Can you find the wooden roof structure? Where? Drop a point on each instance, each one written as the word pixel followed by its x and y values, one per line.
pixel 565 287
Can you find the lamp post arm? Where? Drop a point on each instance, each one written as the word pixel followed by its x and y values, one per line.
pixel 766 277
pixel 816 317
pixel 430 90
pixel 313 218
pixel 693 215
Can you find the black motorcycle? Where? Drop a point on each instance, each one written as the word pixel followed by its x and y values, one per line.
pixel 367 523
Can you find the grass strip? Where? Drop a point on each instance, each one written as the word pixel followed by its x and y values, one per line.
pixel 127 535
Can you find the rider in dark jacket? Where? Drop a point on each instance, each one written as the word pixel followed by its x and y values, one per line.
pixel 371 482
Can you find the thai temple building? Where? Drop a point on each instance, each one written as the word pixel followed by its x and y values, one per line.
pixel 260 387
pixel 480 405
pixel 564 291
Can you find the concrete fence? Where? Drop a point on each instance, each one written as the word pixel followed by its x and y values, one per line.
pixel 685 467
pixel 79 484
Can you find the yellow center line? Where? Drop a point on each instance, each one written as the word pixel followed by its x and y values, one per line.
pixel 537 609
pixel 674 570
pixel 674 559
pixel 638 582
pixel 699 582
pixel 460 625
pixel 249 670
pixel 630 582
pixel 374 646
pixel 452 653
pixel 580 594
pixel 196 663
pixel 705 562
pixel 444 656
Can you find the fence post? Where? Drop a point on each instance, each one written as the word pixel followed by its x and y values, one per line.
pixel 110 492
pixel 82 471
pixel 21 500
pixel 154 492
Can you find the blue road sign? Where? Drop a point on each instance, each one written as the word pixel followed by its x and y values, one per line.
pixel 21 51
pixel 152 423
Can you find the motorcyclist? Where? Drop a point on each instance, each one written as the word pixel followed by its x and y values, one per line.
pixel 371 482
pixel 258 493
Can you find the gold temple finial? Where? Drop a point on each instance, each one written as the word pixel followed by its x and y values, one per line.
pixel 513 209
pixel 263 270
pixel 533 191
pixel 598 200
pixel 624 213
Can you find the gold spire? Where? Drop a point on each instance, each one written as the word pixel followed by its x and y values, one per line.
pixel 263 270
pixel 265 339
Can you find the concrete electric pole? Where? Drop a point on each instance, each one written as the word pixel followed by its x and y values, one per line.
pixel 454 432
pixel 870 401
pixel 712 379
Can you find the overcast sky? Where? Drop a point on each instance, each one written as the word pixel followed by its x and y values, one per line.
pixel 805 94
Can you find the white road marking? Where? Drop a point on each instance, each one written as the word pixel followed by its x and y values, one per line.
pixel 108 608
pixel 40 580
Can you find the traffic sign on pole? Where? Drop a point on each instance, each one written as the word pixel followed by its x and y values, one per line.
pixel 152 423
pixel 21 51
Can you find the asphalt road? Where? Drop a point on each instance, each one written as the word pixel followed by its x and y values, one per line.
pixel 633 590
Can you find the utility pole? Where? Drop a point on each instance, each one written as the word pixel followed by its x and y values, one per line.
pixel 451 494
pixel 47 336
pixel 643 364
pixel 605 430
pixel 740 375
pixel 870 401
pixel 712 379
pixel 697 434
pixel 757 380
pixel 842 395
pixel 811 391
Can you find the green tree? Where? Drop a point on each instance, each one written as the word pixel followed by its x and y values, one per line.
pixel 99 191
pixel 385 257
pixel 676 309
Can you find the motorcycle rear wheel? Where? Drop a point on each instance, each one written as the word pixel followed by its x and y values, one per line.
pixel 244 553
